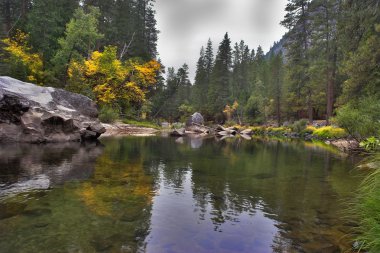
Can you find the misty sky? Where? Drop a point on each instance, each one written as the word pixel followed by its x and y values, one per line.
pixel 186 25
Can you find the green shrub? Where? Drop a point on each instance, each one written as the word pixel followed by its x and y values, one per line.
pixel 277 130
pixel 108 114
pixel 362 119
pixel 329 132
pixel 299 126
pixel 308 130
pixel 371 144
pixel 178 125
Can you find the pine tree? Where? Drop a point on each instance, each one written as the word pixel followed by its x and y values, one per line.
pixel 47 22
pixel 199 91
pixel 323 57
pixel 297 21
pixel 276 84
pixel 220 85
pixel 184 85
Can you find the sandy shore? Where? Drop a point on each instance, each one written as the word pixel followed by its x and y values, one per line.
pixel 120 129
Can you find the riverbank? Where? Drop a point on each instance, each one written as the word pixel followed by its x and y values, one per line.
pixel 122 129
pixel 346 144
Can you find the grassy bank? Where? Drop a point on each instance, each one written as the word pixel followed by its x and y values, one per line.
pixel 136 123
pixel 310 132
pixel 367 207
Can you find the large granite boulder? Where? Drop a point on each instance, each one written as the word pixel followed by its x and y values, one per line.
pixel 34 114
pixel 195 119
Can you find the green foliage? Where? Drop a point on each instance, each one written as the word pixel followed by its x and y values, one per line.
pixel 371 144
pixel 278 130
pixel 308 130
pixel 367 208
pixel 330 132
pixel 254 109
pixel 108 114
pixel 186 110
pixel 298 126
pixel 47 21
pixel 141 123
pixel 22 62
pixel 362 119
pixel 363 69
pixel 80 39
pixel 218 92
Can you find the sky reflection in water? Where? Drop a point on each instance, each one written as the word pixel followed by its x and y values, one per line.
pixel 165 195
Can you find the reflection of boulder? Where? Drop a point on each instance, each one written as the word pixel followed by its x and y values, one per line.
pixel 26 167
pixel 196 143
pixel 34 114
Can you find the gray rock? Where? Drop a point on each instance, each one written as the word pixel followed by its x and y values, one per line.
pixel 195 119
pixel 178 132
pixel 34 114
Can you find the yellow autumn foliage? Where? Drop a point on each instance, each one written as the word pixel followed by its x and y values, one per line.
pixel 19 52
pixel 112 79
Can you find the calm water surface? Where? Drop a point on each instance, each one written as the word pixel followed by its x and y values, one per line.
pixel 155 194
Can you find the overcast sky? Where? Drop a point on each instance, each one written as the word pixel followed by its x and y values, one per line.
pixel 186 25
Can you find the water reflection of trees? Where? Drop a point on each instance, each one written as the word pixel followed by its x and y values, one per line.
pixel 230 177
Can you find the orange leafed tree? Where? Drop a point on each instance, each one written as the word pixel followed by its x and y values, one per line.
pixel 27 65
pixel 111 79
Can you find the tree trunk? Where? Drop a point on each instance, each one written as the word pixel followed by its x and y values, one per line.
pixel 278 111
pixel 331 86
pixel 7 16
pixel 309 107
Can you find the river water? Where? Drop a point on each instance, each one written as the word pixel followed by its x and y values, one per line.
pixel 157 194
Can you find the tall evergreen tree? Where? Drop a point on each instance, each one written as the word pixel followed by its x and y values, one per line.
pixel 323 58
pixel 276 84
pixel 297 21
pixel 47 22
pixel 219 88
pixel 199 91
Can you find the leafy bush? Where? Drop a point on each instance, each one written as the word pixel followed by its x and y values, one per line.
pixel 309 130
pixel 298 126
pixel 361 120
pixel 277 130
pixel 108 114
pixel 329 132
pixel 370 144
pixel 178 125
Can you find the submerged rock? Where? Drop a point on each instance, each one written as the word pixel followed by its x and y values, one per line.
pixel 34 114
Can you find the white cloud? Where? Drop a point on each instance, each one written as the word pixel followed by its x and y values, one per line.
pixel 186 25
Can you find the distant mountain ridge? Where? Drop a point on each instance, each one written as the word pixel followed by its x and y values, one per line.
pixel 278 47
